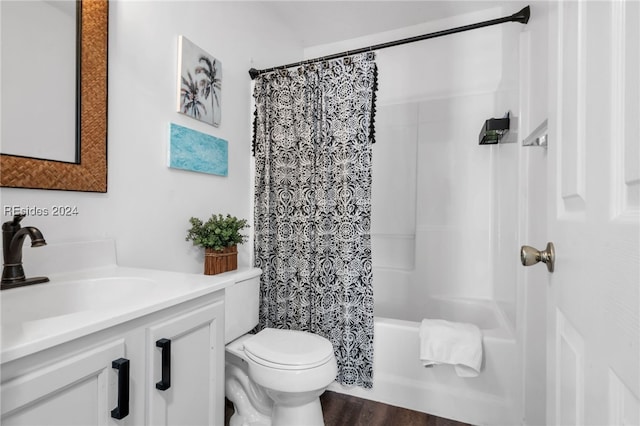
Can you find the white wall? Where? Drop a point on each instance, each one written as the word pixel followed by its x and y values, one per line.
pixel 434 228
pixel 147 207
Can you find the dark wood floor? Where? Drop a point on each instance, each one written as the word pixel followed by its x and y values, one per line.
pixel 346 410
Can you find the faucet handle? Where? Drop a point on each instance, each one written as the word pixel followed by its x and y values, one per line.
pixel 18 218
pixel 13 225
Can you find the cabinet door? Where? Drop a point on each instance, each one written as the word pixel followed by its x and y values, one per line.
pixel 189 388
pixel 80 390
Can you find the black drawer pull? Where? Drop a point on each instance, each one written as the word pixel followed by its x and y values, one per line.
pixel 122 410
pixel 165 383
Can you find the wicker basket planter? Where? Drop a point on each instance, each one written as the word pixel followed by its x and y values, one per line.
pixel 219 261
pixel 219 236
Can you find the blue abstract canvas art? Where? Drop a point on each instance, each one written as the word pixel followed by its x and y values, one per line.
pixel 196 151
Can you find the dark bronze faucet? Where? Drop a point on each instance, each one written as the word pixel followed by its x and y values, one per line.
pixel 12 239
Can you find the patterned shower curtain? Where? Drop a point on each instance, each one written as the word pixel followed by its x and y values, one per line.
pixel 313 131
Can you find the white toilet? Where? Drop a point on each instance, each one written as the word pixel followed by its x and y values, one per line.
pixel 274 377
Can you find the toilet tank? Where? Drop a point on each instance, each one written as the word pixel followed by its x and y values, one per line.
pixel 241 305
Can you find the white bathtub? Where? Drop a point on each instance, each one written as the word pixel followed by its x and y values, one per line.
pixel 401 380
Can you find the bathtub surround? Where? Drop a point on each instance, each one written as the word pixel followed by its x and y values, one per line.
pixel 313 206
pixel 435 254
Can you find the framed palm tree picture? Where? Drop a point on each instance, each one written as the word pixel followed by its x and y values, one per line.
pixel 199 83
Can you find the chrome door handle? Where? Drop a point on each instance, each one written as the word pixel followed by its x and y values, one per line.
pixel 530 256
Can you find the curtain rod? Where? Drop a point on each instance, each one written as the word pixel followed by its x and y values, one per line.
pixel 522 16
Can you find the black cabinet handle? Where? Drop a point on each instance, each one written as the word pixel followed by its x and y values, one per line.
pixel 122 410
pixel 165 383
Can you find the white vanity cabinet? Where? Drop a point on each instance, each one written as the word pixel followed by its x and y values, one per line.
pixel 185 359
pixel 75 389
pixel 84 381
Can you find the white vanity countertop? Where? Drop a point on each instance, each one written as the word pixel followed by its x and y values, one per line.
pixel 79 303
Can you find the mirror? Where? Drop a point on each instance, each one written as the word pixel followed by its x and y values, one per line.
pixel 38 79
pixel 89 173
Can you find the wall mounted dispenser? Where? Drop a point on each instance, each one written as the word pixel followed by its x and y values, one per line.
pixel 493 129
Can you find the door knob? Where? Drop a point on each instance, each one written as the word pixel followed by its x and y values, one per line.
pixel 530 256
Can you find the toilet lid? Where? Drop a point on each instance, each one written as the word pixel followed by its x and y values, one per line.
pixel 288 349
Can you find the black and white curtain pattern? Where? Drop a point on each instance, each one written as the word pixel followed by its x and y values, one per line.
pixel 313 132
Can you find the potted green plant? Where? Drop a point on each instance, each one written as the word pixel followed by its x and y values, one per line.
pixel 219 236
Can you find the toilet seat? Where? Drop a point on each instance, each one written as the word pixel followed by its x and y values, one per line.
pixel 288 349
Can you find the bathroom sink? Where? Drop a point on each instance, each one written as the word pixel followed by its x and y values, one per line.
pixel 89 292
pixel 63 299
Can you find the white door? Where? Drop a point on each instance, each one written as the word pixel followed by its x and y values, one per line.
pixel 593 322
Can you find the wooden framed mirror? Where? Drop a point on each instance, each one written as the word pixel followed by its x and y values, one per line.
pixel 90 173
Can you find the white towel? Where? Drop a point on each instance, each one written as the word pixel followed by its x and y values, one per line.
pixel 446 342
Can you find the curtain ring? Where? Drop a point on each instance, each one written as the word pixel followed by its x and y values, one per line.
pixel 371 55
pixel 347 59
